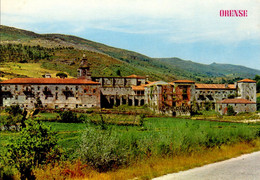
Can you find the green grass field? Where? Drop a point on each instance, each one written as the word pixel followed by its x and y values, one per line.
pixel 156 134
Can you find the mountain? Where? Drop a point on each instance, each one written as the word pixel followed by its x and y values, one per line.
pixel 64 52
pixel 212 70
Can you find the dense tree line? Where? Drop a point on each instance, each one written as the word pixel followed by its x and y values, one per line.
pixel 25 53
pixel 257 79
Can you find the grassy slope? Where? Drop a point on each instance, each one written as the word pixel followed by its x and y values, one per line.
pixel 24 70
pixel 127 62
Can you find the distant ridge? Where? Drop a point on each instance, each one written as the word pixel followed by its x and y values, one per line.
pixel 110 61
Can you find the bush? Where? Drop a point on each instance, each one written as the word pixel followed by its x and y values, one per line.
pixel 35 145
pixel 16 115
pixel 62 75
pixel 258 103
pixel 68 117
pixel 230 111
pixel 103 150
pixel 14 110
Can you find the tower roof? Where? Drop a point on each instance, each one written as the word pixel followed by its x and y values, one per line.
pixel 84 63
pixel 247 80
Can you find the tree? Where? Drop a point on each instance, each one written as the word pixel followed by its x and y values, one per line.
pixel 62 75
pixel 230 111
pixel 118 72
pixel 36 145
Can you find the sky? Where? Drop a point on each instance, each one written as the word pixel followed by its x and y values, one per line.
pixel 188 29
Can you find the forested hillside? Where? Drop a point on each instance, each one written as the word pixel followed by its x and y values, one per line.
pixel 64 52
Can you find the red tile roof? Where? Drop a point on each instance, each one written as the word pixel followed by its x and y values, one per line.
pixel 135 76
pixel 236 101
pixel 138 88
pixel 247 80
pixel 157 83
pixel 47 81
pixel 183 81
pixel 214 86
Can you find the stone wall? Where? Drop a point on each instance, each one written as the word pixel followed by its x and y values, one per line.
pixel 119 81
pixel 209 97
pixel 117 91
pixel 238 108
pixel 52 96
pixel 247 90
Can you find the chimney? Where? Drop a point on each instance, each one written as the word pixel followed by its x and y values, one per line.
pixel 146 78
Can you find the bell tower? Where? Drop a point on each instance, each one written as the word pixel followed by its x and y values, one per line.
pixel 246 89
pixel 83 70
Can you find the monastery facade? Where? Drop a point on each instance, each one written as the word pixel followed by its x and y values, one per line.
pixel 180 97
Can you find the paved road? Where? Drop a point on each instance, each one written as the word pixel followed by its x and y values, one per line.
pixel 245 167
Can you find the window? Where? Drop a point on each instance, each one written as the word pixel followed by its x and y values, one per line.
pixel 57 88
pixel 16 97
pixel 38 88
pixel 77 88
pixel 16 88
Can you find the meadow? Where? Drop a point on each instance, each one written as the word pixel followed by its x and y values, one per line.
pixel 106 147
pixel 35 70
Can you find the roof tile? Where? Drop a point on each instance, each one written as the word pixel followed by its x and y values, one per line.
pixel 215 86
pixel 236 101
pixel 247 80
pixel 183 81
pixel 47 81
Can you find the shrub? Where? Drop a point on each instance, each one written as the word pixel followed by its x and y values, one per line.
pixel 35 145
pixel 82 118
pixel 230 111
pixel 103 150
pixel 14 110
pixel 61 75
pixel 68 117
pixel 16 115
pixel 258 103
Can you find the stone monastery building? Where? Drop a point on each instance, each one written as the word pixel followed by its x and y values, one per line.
pixel 179 97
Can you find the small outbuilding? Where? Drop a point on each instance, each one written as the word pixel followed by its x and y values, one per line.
pixel 239 105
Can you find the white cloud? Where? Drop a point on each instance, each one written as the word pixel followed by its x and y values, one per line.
pixel 178 20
